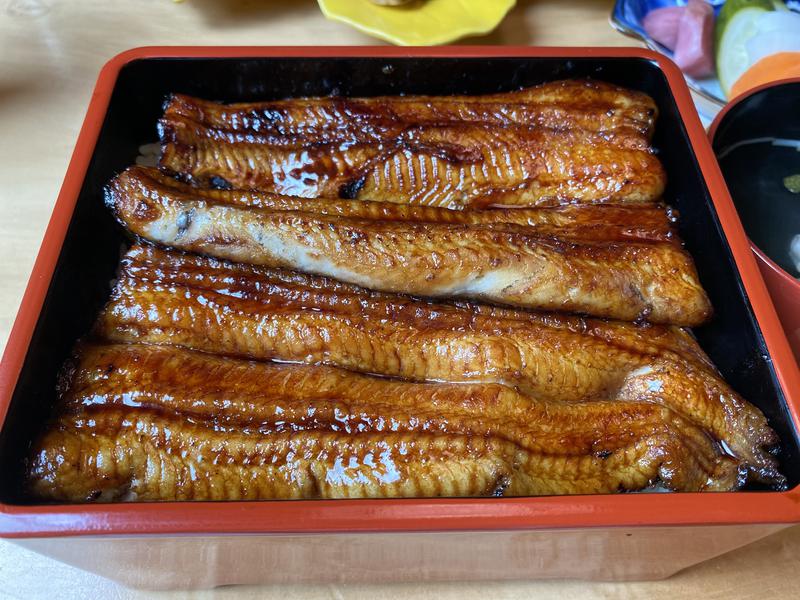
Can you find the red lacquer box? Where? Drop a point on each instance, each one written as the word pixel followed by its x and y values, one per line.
pixel 204 544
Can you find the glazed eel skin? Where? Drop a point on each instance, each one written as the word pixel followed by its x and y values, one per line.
pixel 585 104
pixel 561 142
pixel 149 423
pixel 601 222
pixel 578 259
pixel 242 311
pixel 453 164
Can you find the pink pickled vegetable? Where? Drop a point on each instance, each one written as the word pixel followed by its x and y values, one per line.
pixel 662 25
pixel 693 50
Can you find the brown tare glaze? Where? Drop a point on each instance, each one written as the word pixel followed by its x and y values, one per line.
pixel 452 165
pixel 591 105
pixel 146 423
pixel 563 267
pixel 236 310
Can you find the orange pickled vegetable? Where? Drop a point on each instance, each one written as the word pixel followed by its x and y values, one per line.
pixel 782 65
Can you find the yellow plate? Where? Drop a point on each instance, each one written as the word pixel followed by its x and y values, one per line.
pixel 419 24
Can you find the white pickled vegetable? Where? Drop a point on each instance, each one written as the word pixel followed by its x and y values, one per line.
pixel 777 31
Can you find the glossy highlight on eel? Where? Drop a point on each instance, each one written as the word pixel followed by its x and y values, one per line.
pixel 408 296
pixel 603 261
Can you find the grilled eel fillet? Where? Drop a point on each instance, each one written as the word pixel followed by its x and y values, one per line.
pixel 453 165
pixel 589 105
pixel 569 266
pixel 601 222
pixel 238 310
pixel 146 423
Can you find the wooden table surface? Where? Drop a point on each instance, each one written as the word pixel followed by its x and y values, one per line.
pixel 50 54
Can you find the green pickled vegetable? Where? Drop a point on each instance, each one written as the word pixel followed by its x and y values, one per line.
pixel 792 183
pixel 735 25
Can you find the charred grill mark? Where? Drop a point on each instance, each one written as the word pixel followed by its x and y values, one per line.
pixel 351 189
pixel 500 486
pixel 218 183
pixel 183 222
